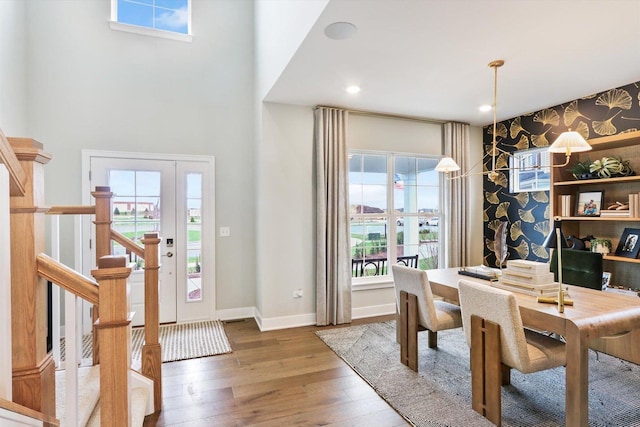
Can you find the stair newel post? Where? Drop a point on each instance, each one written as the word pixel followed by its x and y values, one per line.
pixel 33 368
pixel 151 350
pixel 102 196
pixel 114 336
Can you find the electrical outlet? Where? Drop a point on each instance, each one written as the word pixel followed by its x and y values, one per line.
pixel 225 231
pixel 297 293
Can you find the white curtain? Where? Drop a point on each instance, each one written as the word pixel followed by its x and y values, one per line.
pixel 457 248
pixel 333 254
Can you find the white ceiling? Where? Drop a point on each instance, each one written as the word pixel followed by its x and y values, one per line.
pixel 429 58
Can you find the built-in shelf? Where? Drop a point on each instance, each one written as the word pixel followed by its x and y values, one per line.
pixel 621 179
pixel 596 218
pixel 621 259
pixel 618 180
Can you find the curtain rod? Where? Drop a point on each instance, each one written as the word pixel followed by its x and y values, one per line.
pixel 389 115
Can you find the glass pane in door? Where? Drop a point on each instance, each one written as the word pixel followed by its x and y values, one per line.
pixel 136 207
pixel 194 240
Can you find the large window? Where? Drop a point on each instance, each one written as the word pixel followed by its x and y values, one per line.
pixel 395 212
pixel 162 18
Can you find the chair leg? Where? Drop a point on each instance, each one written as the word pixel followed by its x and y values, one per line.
pixel 433 338
pixel 409 330
pixel 486 369
pixel 506 375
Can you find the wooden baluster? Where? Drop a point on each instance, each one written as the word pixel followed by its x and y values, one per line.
pixel 103 196
pixel 151 350
pixel 115 338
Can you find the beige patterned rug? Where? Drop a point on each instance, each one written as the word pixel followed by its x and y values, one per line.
pixel 440 393
pixel 178 342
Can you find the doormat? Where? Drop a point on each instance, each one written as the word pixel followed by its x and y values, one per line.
pixel 178 342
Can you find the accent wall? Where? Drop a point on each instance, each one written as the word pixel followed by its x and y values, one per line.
pixel 605 113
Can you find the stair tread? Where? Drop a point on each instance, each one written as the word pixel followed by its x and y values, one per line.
pixel 139 400
pixel 88 393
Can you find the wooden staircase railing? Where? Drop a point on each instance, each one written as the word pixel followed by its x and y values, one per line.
pixel 151 349
pixel 33 377
pixel 67 278
pixel 17 175
pixel 112 294
pixel 115 341
pixel 47 420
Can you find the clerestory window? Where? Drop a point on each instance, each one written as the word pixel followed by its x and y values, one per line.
pixel 160 18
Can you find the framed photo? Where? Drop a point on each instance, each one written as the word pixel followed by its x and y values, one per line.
pixel 606 279
pixel 589 203
pixel 629 243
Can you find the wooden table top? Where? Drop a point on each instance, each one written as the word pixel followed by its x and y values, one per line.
pixel 611 312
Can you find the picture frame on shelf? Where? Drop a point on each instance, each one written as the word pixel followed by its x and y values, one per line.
pixel 606 279
pixel 589 203
pixel 629 244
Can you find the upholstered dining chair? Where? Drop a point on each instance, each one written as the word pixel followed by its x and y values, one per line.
pixel 498 341
pixel 417 310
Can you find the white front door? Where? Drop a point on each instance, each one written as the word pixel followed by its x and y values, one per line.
pixel 175 198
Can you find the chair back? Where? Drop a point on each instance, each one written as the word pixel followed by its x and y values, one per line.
pixel 501 307
pixel 415 281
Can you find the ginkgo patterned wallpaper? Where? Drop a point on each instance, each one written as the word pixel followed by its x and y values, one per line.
pixel 605 113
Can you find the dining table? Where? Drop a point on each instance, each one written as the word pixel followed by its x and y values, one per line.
pixel 594 314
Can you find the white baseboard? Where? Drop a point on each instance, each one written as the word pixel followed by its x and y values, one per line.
pixel 372 311
pixel 285 322
pixel 236 313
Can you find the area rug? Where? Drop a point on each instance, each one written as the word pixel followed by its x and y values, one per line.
pixel 440 393
pixel 178 342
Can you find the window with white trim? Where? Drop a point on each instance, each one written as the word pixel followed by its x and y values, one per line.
pixel 530 170
pixel 395 212
pixel 161 18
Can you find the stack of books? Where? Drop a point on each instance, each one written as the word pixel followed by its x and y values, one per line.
pixel 634 205
pixel 527 277
pixel 617 213
pixel 565 205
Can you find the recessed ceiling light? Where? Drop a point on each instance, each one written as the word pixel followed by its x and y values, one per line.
pixel 340 30
pixel 353 89
pixel 485 108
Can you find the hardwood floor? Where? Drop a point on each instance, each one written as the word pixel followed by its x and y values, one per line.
pixel 276 378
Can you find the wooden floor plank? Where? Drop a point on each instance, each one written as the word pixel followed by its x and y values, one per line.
pixel 274 378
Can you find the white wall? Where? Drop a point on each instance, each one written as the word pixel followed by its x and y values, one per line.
pixel 286 208
pixel 281 26
pixel 286 216
pixel 95 88
pixel 13 83
pixel 13 121
pixel 476 200
pixel 87 86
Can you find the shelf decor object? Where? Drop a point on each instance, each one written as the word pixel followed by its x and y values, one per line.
pixel 602 246
pixel 589 203
pixel 611 167
pixel 629 244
